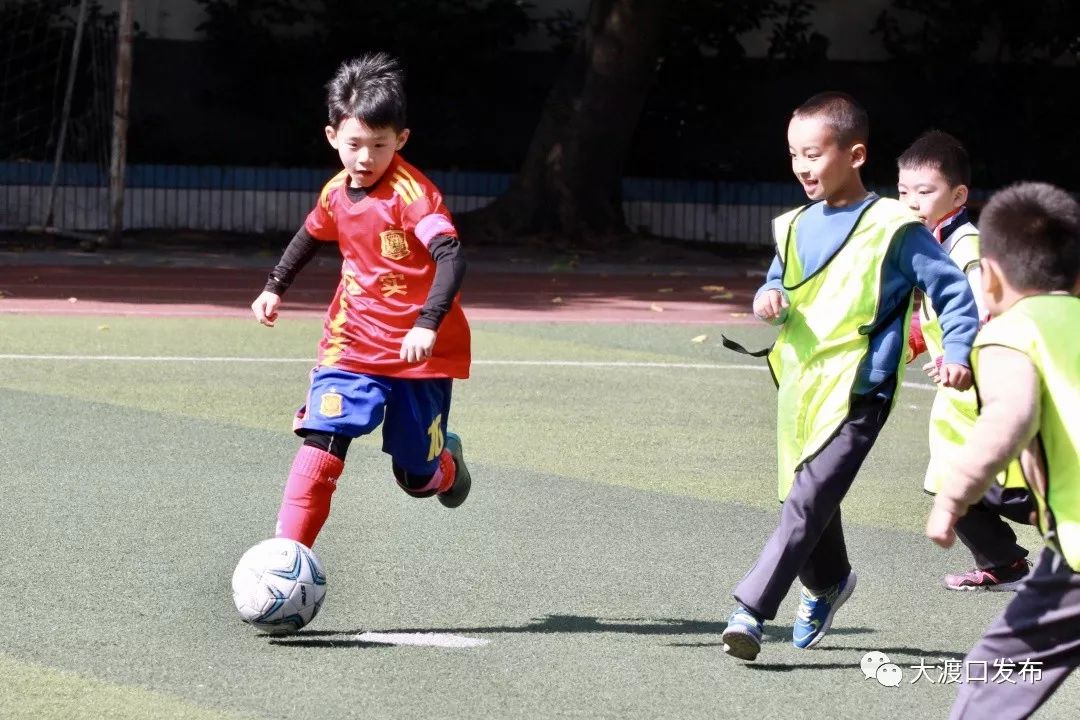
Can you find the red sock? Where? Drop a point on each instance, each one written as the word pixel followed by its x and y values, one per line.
pixel 446 473
pixel 441 480
pixel 306 503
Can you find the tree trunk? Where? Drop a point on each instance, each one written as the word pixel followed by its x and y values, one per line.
pixel 121 105
pixel 570 183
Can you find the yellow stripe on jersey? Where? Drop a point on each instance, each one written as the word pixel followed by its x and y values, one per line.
pixel 337 180
pixel 337 341
pixel 403 190
pixel 417 188
pixel 409 190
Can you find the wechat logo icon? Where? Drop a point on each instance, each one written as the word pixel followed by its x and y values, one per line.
pixel 875 664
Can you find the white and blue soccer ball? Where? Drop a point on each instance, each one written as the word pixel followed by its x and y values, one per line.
pixel 279 586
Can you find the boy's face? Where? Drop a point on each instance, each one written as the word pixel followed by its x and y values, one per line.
pixel 926 191
pixel 365 151
pixel 826 170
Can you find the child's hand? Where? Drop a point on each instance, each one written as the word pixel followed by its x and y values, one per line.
pixel 933 369
pixel 417 345
pixel 955 375
pixel 939 526
pixel 770 306
pixel 265 307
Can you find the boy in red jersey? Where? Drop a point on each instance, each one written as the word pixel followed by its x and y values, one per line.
pixel 394 335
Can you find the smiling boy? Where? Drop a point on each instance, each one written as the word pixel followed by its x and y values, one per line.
pixel 841 288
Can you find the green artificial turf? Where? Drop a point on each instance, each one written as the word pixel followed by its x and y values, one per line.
pixel 613 510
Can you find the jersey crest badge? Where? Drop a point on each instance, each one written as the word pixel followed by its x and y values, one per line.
pixel 330 404
pixel 395 245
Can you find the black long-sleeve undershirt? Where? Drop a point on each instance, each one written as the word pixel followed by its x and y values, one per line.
pixel 449 275
pixel 298 253
pixel 445 251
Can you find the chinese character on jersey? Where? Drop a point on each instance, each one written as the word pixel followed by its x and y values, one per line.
pixel 393 284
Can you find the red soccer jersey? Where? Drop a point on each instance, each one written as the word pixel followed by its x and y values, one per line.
pixel 386 275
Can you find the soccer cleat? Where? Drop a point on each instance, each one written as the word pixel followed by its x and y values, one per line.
pixel 742 636
pixel 459 489
pixel 815 614
pixel 1005 578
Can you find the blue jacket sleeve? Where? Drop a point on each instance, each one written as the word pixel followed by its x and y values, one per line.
pixel 774 279
pixel 925 263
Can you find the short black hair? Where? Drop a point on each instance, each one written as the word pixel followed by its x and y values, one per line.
pixel 939 150
pixel 370 88
pixel 846 117
pixel 1032 230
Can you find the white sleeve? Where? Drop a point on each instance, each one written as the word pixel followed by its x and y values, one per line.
pixel 1008 421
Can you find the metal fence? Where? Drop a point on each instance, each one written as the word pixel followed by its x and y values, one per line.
pixel 260 200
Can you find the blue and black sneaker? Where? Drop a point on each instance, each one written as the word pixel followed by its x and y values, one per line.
pixel 815 614
pixel 742 636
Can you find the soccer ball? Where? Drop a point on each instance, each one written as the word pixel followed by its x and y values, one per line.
pixel 279 585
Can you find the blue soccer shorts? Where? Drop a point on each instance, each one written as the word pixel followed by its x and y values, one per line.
pixel 412 413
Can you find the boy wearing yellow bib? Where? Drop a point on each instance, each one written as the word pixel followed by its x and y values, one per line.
pixel 1027 368
pixel 840 287
pixel 933 179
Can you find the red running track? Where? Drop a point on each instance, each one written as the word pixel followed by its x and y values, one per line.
pixel 488 295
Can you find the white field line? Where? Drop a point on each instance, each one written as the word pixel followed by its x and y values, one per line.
pixel 422 639
pixel 596 364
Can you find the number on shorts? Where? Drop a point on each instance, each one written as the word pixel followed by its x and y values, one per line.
pixel 436 434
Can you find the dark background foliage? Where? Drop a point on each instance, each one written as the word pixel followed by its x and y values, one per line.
pixel 252 92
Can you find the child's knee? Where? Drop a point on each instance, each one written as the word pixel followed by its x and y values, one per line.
pixel 333 443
